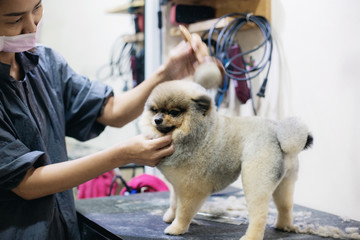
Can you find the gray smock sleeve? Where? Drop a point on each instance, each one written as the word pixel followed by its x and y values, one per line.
pixel 84 101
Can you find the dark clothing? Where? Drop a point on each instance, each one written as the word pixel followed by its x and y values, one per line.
pixel 35 116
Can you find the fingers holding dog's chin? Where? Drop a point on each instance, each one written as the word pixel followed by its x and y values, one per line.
pixel 160 154
pixel 168 150
pixel 161 141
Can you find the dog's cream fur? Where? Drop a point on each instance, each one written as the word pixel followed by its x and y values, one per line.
pixel 211 150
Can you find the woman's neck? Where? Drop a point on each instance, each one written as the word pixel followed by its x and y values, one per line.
pixel 7 58
pixel 15 70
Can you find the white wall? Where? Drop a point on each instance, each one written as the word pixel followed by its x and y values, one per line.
pixel 320 41
pixel 83 32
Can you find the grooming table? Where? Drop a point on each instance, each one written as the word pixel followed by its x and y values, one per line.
pixel 139 216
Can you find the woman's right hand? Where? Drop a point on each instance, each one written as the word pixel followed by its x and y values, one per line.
pixel 184 57
pixel 143 151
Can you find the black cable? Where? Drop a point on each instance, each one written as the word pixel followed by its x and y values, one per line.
pixel 225 39
pixel 128 188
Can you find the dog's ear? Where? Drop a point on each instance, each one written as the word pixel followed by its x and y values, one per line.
pixel 202 104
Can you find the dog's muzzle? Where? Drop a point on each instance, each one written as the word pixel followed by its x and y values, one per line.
pixel 160 127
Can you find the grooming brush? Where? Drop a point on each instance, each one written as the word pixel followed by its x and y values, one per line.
pixel 210 72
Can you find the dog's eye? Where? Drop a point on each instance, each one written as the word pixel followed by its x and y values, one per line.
pixel 154 110
pixel 174 113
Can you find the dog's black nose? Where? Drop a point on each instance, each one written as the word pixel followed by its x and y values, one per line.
pixel 158 121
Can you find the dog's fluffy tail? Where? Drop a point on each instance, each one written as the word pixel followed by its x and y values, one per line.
pixel 293 135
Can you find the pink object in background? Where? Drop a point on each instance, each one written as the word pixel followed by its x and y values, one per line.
pixel 97 187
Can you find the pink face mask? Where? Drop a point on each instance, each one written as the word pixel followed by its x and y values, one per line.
pixel 19 43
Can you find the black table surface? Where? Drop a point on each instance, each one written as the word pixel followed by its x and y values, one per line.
pixel 139 216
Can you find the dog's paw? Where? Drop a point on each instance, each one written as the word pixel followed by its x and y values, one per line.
pixel 284 224
pixel 169 216
pixel 175 229
pixel 285 228
pixel 247 237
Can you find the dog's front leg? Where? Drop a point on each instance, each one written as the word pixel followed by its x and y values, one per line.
pixel 169 215
pixel 188 203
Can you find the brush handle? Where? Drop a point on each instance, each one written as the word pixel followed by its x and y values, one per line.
pixel 187 37
pixel 185 33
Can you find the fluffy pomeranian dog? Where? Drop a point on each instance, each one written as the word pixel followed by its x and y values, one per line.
pixel 211 150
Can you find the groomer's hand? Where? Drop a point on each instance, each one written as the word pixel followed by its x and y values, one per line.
pixel 183 58
pixel 143 151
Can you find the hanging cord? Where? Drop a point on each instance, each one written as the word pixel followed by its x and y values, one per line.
pixel 225 39
pixel 119 61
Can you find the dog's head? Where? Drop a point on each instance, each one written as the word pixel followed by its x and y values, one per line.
pixel 179 106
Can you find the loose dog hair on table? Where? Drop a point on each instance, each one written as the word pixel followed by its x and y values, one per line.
pixel 211 150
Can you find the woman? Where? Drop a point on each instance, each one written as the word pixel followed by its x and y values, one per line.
pixel 42 100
